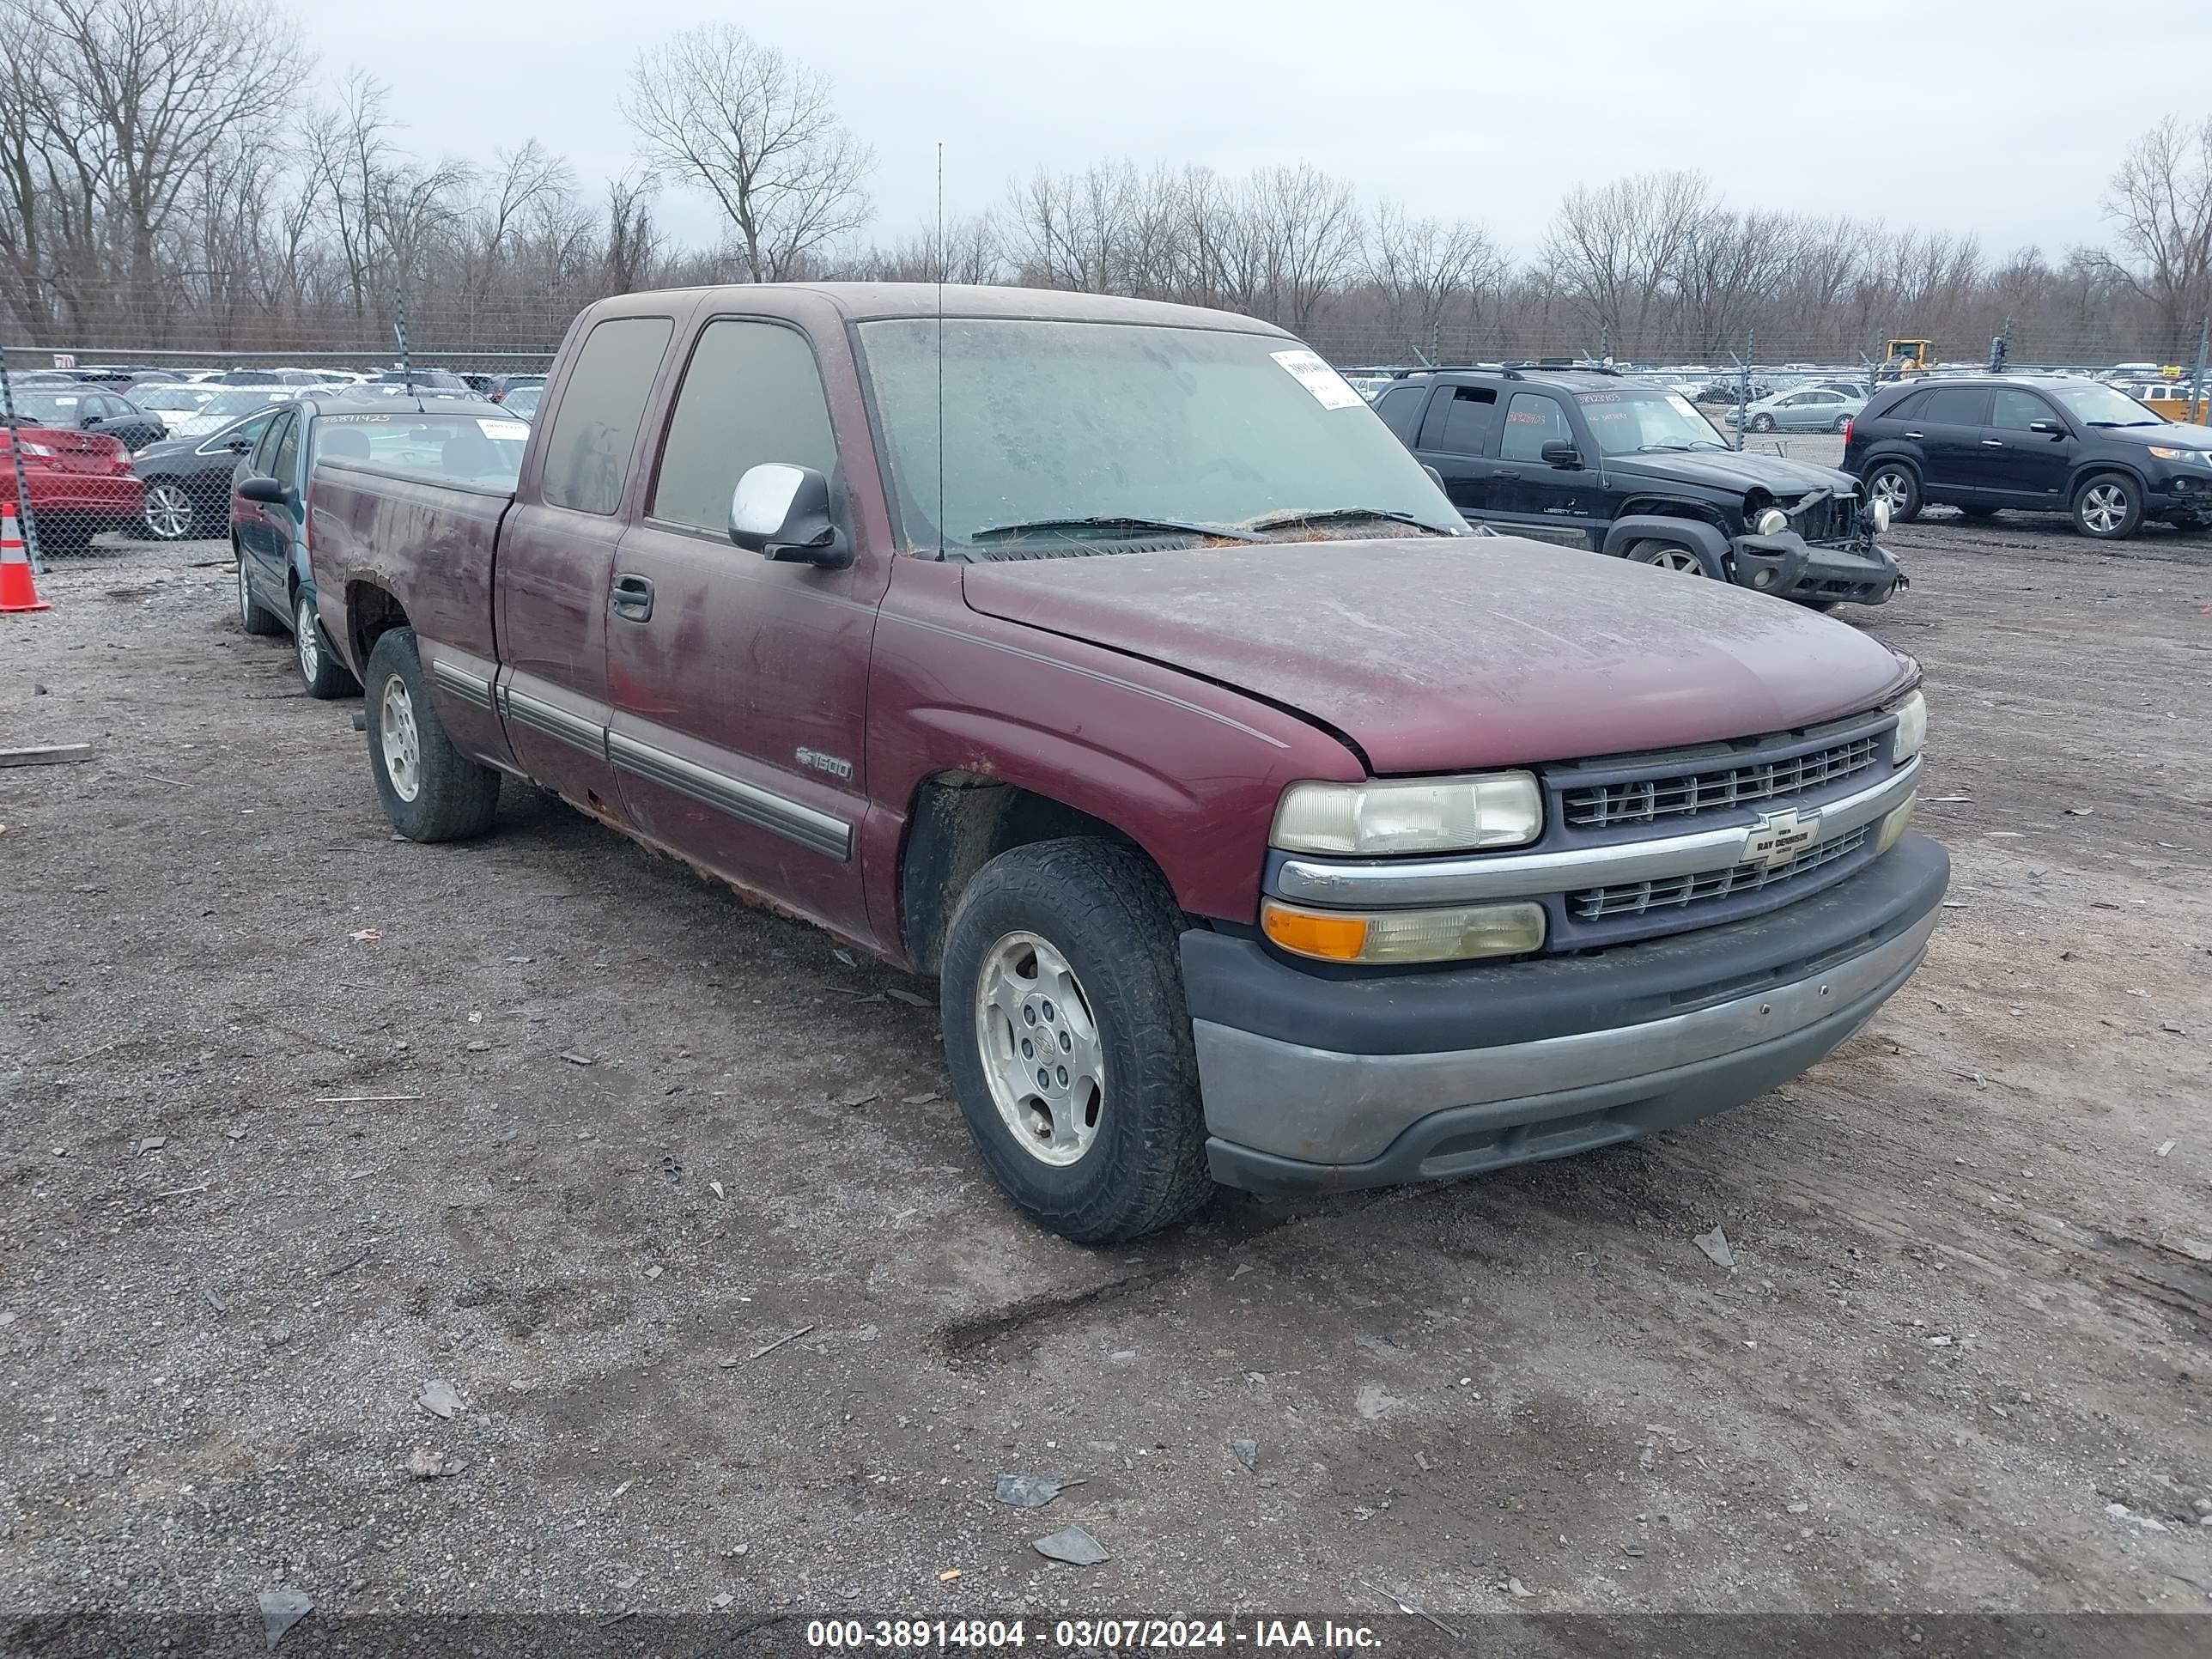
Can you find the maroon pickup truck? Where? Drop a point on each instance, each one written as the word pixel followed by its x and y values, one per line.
pixel 1112 662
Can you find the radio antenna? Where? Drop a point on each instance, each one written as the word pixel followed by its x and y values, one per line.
pixel 941 261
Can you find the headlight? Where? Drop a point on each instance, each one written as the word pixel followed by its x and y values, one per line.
pixel 1452 935
pixel 1911 728
pixel 2185 457
pixel 1879 511
pixel 1772 522
pixel 1415 815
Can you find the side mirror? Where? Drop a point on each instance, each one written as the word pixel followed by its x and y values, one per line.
pixel 1560 453
pixel 782 512
pixel 2052 428
pixel 267 491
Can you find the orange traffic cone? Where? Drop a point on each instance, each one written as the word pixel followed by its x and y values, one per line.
pixel 17 591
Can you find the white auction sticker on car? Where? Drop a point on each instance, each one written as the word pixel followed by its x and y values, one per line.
pixel 1330 389
pixel 1682 405
pixel 520 429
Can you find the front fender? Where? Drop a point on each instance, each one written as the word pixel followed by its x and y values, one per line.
pixel 1624 533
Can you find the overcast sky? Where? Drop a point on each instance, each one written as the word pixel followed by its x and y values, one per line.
pixel 1995 117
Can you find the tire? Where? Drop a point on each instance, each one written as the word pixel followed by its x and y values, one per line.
pixel 438 795
pixel 1674 556
pixel 168 514
pixel 2108 506
pixel 1135 1161
pixel 1901 485
pixel 321 670
pixel 1978 514
pixel 1762 423
pixel 1840 423
pixel 250 615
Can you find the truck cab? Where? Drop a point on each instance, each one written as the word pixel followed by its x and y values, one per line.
pixel 1113 664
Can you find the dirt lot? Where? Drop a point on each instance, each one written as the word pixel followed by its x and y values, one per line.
pixel 295 1124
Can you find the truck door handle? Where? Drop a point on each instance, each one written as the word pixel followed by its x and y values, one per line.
pixel 632 598
pixel 1993 443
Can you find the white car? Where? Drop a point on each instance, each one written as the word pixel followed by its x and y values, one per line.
pixel 175 404
pixel 227 404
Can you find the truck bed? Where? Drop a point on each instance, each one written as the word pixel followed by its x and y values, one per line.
pixel 434 542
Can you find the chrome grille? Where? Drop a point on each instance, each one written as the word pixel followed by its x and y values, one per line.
pixel 1646 801
pixel 1635 898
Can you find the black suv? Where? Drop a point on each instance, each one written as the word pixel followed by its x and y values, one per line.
pixel 1588 459
pixel 2042 444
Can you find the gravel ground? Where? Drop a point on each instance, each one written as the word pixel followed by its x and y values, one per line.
pixel 667 1191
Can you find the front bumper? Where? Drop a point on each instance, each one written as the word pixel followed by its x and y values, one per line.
pixel 1788 565
pixel 1315 1083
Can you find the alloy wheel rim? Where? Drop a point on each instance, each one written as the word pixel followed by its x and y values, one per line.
pixel 303 635
pixel 168 512
pixel 1681 559
pixel 1042 1055
pixel 1890 487
pixel 245 600
pixel 401 741
pixel 2104 508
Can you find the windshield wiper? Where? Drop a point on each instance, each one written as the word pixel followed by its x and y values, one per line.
pixel 1298 515
pixel 2123 423
pixel 1113 522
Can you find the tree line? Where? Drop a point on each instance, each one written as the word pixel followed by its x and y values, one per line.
pixel 166 182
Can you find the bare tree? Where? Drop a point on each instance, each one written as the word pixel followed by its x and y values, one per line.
pixel 1617 251
pixel 718 110
pixel 1313 239
pixel 634 242
pixel 1426 272
pixel 2162 201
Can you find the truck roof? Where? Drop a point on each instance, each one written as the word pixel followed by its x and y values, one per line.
pixel 871 302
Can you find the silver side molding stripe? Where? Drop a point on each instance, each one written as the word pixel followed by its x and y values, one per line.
pixel 1379 883
pixel 817 831
pixel 473 689
pixel 553 722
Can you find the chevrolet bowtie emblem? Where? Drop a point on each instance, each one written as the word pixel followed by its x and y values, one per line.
pixel 1778 837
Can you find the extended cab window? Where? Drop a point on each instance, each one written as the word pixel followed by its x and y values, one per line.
pixel 752 394
pixel 1532 421
pixel 1462 424
pixel 588 449
pixel 1401 410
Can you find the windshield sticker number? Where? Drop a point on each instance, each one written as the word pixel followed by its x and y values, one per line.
pixel 1330 389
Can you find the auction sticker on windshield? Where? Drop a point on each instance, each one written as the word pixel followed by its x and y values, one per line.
pixel 1330 389
pixel 516 429
pixel 1682 405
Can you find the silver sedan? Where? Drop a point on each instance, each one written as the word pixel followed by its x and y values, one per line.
pixel 1809 409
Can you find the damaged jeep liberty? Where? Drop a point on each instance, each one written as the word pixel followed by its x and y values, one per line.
pixel 1111 662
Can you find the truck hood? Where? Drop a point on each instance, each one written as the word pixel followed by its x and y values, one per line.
pixel 1436 656
pixel 1733 471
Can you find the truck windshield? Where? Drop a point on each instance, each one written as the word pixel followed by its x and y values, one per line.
pixel 1632 423
pixel 1091 433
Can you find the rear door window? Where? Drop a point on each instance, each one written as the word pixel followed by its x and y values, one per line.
pixel 594 433
pixel 1462 423
pixel 1533 420
pixel 752 394
pixel 1957 406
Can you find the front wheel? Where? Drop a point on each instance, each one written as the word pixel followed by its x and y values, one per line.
pixel 321 670
pixel 252 616
pixel 429 789
pixel 1069 1042
pixel 1762 423
pixel 168 513
pixel 1673 556
pixel 1898 485
pixel 2108 506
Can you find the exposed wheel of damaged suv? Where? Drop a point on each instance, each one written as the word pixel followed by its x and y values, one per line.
pixel 2108 506
pixel 1068 1040
pixel 1673 556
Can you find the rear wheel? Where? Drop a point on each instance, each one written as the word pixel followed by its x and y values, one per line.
pixel 430 791
pixel 321 670
pixel 1898 484
pixel 1841 424
pixel 2108 506
pixel 1069 1042
pixel 1674 556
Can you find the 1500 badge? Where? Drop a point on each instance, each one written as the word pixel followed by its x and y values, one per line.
pixel 836 765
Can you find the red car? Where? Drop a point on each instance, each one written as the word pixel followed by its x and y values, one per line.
pixel 80 483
